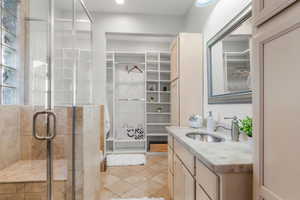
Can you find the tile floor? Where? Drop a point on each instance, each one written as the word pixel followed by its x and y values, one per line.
pixel 150 180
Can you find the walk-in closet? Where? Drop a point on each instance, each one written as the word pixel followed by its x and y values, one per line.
pixel 138 92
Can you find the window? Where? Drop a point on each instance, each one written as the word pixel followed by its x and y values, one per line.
pixel 8 59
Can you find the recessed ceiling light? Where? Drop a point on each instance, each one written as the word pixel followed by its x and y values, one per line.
pixel 120 2
pixel 203 3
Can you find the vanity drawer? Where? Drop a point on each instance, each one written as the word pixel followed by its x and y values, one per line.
pixel 170 141
pixel 170 160
pixel 185 156
pixel 208 180
pixel 200 194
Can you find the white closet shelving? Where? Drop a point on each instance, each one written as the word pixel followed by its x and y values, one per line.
pixel 158 94
pixel 236 70
pixel 155 99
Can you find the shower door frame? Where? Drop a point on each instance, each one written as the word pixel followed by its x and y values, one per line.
pixel 91 21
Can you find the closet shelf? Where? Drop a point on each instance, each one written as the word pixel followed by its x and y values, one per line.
pixel 156 71
pixel 152 71
pixel 158 102
pixel 150 91
pixel 237 60
pixel 159 61
pixel 159 124
pixel 129 53
pixel 132 99
pixel 163 81
pixel 157 134
pixel 158 113
pixel 165 61
pixel 238 53
pixel 123 140
pixel 129 63
pixel 152 80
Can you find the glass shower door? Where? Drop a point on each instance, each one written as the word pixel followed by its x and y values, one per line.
pixel 59 74
pixel 50 61
pixel 39 96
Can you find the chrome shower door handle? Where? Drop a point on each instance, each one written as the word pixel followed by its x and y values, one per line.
pixel 50 136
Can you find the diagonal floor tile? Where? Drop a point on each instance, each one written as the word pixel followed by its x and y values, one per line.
pixel 120 187
pixel 149 180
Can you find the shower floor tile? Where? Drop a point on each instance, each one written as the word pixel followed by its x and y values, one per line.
pixel 32 171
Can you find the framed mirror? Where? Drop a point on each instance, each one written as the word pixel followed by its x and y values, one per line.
pixel 229 65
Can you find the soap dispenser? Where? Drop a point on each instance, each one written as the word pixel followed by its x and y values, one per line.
pixel 211 123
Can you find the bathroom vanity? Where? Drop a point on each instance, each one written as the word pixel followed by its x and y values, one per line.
pixel 215 169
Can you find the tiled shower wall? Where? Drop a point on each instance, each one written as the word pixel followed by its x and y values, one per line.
pixel 17 142
pixel 10 139
pixel 87 152
pixel 32 149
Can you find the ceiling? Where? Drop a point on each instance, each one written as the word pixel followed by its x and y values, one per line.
pixel 148 7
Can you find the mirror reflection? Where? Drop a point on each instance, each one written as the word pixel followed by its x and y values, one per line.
pixel 230 62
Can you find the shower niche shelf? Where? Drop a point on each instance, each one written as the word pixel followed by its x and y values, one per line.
pixel 156 100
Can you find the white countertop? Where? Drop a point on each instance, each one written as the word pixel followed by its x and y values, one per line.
pixel 223 157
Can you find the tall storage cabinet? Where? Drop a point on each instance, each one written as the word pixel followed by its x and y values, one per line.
pixel 276 99
pixel 186 78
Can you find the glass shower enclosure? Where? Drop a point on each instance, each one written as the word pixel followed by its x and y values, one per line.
pixel 57 81
pixel 48 124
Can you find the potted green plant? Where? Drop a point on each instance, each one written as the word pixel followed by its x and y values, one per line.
pixel 246 127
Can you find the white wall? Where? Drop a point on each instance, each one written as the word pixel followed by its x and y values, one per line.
pixel 124 23
pixel 209 21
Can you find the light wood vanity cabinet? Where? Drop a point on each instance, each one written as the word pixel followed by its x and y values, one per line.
pixel 170 167
pixel 200 194
pixel 276 70
pixel 170 184
pixel 193 180
pixel 184 182
pixel 208 180
pixel 185 156
pixel 186 77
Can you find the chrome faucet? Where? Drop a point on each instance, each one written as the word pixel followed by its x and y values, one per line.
pixel 235 128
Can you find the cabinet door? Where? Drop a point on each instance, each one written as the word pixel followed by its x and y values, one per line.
pixel 171 185
pixel 175 103
pixel 184 183
pixel 174 60
pixel 276 108
pixel 170 160
pixel 200 194
pixel 191 76
pixel 265 9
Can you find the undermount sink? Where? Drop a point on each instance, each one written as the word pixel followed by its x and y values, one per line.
pixel 205 137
